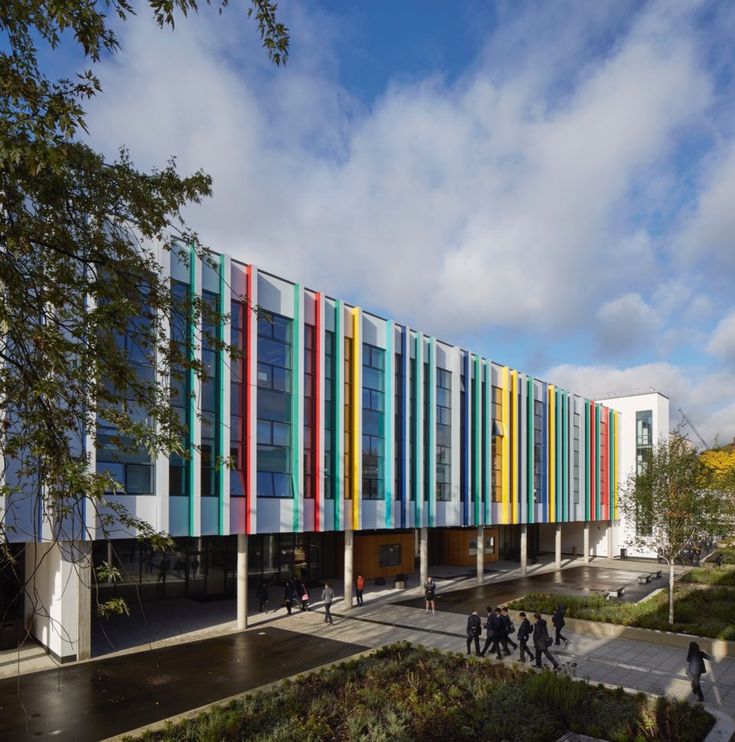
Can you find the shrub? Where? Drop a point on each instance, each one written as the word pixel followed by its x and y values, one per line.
pixel 402 693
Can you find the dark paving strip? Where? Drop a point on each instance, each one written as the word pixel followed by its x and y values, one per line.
pixel 395 625
pixel 95 700
pixel 572 581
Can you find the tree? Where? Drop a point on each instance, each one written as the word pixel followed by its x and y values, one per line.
pixel 673 502
pixel 85 354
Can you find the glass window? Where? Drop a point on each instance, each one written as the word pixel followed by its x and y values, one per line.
pixel 389 555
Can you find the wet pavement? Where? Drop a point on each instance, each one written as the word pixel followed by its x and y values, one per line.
pixel 571 581
pixel 95 700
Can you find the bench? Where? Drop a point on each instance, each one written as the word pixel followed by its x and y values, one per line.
pixel 617 593
pixel 655 575
pixel 644 579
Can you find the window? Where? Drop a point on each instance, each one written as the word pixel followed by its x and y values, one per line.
pixel 237 399
pixel 497 445
pixel 274 406
pixel 209 398
pixel 443 434
pixel 576 440
pixel 643 451
pixel 398 422
pixel 538 448
pixel 309 398
pixel 389 555
pixel 373 422
pixel 329 414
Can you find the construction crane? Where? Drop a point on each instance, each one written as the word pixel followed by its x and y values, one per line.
pixel 693 429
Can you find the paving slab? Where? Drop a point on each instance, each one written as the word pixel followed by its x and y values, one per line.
pixel 579 580
pixel 96 700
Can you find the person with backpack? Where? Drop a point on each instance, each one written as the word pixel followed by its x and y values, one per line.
pixel 524 632
pixel 696 668
pixel 507 628
pixel 359 587
pixel 474 630
pixel 430 594
pixel 542 641
pixel 558 620
pixel 288 595
pixel 492 626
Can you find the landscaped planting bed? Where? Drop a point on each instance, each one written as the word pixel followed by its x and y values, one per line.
pixel 701 611
pixel 711 575
pixel 403 692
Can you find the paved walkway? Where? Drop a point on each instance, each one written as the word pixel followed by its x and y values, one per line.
pixel 133 687
pixel 98 699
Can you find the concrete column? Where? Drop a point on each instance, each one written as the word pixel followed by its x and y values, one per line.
pixel 586 546
pixel 424 554
pixel 524 550
pixel 84 600
pixel 610 540
pixel 242 580
pixel 557 545
pixel 349 556
pixel 480 555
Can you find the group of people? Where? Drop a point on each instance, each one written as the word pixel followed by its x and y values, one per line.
pixel 500 627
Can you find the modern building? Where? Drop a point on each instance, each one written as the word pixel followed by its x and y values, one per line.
pixel 359 445
pixel 644 422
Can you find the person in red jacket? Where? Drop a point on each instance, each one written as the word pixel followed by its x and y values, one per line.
pixel 360 586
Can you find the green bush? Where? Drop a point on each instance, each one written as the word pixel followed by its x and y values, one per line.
pixel 403 693
pixel 698 611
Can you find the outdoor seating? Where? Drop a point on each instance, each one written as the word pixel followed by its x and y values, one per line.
pixel 644 579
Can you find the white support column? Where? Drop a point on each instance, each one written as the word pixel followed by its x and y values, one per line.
pixel 586 547
pixel 524 550
pixel 349 557
pixel 242 580
pixel 557 545
pixel 423 554
pixel 610 540
pixel 480 555
pixel 84 600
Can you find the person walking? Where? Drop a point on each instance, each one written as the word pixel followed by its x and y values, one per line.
pixel 288 591
pixel 696 668
pixel 359 587
pixel 507 628
pixel 262 596
pixel 328 597
pixel 430 594
pixel 542 641
pixel 304 596
pixel 492 639
pixel 558 620
pixel 474 630
pixel 524 632
pixel 718 560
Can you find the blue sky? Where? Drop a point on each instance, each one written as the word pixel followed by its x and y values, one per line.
pixel 551 184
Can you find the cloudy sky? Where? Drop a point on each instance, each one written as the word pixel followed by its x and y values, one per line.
pixel 550 184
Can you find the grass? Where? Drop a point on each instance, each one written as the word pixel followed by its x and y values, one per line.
pixel 711 575
pixel 403 692
pixel 697 611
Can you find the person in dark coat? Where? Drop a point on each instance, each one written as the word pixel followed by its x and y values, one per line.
pixel 507 629
pixel 524 633
pixel 696 668
pixel 558 620
pixel 542 641
pixel 474 630
pixel 262 596
pixel 718 560
pixel 288 595
pixel 430 594
pixel 492 640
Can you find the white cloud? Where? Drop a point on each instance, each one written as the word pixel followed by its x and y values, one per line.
pixel 494 202
pixel 722 342
pixel 627 324
pixel 707 397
